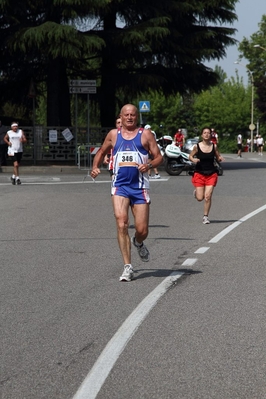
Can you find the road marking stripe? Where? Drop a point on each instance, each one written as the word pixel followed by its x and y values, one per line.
pixel 202 250
pixel 228 229
pixel 105 362
pixel 54 182
pixel 189 262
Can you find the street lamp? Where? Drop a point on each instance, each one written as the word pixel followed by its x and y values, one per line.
pixel 251 126
pixel 259 46
pixel 264 49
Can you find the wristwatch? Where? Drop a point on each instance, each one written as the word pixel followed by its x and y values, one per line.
pixel 150 166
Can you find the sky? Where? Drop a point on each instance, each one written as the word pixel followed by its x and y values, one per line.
pixel 249 14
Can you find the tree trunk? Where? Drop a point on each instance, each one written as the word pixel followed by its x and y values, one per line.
pixel 109 74
pixel 107 96
pixel 58 98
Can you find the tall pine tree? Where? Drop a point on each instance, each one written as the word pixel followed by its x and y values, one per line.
pixel 129 46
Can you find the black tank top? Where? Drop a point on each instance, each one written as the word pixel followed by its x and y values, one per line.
pixel 206 164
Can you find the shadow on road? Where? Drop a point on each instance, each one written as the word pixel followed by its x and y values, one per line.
pixel 147 273
pixel 242 164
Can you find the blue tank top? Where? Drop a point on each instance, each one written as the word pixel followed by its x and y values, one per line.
pixel 127 155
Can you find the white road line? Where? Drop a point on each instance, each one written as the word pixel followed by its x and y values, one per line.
pixel 104 364
pixel 202 250
pixel 189 262
pixel 54 182
pixel 228 229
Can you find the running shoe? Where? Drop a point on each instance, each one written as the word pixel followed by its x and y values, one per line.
pixel 13 181
pixel 127 274
pixel 205 220
pixel 157 176
pixel 142 250
pixel 18 181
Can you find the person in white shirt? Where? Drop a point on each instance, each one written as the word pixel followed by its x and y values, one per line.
pixel 260 144
pixel 239 145
pixel 15 138
pixel 157 175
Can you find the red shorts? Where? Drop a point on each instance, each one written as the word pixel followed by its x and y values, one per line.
pixel 199 180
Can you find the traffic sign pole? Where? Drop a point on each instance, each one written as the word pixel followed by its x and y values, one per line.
pixel 79 82
pixel 79 86
pixel 82 89
pixel 252 127
pixel 144 106
pixel 76 125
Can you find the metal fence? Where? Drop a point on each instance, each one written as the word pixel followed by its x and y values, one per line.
pixel 39 148
pixel 85 155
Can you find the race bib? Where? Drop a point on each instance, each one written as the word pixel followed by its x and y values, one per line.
pixel 128 158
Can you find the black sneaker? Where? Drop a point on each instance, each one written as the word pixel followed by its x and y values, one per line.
pixel 13 181
pixel 142 250
pixel 18 181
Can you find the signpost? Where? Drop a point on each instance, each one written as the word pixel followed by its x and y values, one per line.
pixel 82 90
pixel 79 86
pixel 144 106
pixel 83 83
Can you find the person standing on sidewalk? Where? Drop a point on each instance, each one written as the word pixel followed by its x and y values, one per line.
pixel 130 184
pixel 205 176
pixel 214 137
pixel 260 144
pixel 239 145
pixel 15 138
pixel 249 144
pixel 179 139
pixel 156 175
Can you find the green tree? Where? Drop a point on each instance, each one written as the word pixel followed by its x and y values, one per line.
pixel 257 63
pixel 225 107
pixel 158 46
pixel 162 47
pixel 41 41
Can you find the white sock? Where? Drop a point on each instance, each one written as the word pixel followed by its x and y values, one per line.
pixel 13 176
pixel 17 177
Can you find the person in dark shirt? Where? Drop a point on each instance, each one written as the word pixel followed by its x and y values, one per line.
pixel 205 176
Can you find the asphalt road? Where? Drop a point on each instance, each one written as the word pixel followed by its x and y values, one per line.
pixel 191 325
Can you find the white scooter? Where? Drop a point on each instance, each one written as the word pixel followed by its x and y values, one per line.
pixel 177 161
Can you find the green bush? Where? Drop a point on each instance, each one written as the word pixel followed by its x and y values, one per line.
pixel 227 146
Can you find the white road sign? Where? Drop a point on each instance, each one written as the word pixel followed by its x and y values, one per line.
pixel 79 83
pixel 84 90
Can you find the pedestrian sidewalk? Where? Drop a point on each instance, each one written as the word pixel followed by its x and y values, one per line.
pixel 69 170
pixel 248 156
pixel 44 169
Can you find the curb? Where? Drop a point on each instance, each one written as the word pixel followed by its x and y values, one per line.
pixel 53 169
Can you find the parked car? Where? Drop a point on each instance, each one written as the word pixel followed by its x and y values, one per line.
pixel 189 144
